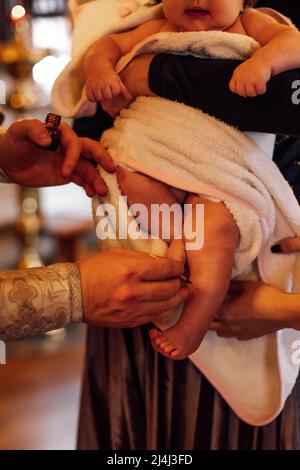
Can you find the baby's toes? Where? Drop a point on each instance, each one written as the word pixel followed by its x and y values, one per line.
pixel 176 354
pixel 169 348
pixel 159 342
pixel 154 333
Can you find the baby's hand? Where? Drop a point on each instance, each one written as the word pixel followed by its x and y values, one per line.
pixel 250 79
pixel 115 105
pixel 102 87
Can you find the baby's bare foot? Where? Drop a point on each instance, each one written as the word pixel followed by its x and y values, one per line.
pixel 184 338
pixel 163 345
pixel 175 343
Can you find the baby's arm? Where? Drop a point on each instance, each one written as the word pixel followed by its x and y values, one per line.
pixel 102 82
pixel 280 51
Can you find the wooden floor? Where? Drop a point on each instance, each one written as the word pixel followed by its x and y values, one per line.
pixel 39 398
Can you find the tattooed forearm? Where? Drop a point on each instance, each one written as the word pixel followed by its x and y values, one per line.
pixel 33 301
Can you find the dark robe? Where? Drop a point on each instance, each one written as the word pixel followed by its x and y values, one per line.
pixel 133 397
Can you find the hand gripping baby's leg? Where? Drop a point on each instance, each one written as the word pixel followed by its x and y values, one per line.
pixel 210 273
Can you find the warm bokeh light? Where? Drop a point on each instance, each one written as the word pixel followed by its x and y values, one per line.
pixel 17 13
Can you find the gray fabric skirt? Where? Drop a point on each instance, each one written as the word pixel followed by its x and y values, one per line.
pixel 135 399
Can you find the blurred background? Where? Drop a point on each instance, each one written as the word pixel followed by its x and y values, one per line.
pixel 40 384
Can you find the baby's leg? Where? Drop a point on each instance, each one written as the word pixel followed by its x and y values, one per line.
pixel 210 273
pixel 141 189
pixel 210 268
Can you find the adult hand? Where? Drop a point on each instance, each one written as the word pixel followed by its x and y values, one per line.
pixel 26 164
pixel 124 288
pixel 252 310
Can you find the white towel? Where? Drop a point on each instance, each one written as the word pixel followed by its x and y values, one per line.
pixel 255 377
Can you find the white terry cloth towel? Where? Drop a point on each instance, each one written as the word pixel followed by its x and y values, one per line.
pixel 255 377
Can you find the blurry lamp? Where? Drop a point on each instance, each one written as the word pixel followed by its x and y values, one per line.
pixel 29 205
pixel 47 70
pixel 17 13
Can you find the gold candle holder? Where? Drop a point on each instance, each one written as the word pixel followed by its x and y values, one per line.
pixel 28 226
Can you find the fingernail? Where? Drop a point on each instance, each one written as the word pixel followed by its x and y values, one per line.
pixel 276 249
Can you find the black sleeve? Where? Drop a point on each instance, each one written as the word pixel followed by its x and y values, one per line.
pixel 204 84
pixel 93 127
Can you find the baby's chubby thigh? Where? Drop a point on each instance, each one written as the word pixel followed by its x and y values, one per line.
pixel 151 193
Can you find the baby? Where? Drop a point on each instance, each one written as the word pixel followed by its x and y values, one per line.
pixel 211 267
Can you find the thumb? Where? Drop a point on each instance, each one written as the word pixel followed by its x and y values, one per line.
pixel 176 252
pixel 32 130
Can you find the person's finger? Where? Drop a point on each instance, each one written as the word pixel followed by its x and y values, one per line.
pixel 72 148
pixel 176 252
pixel 115 88
pixel 96 151
pixel 251 90
pixel 125 92
pixel 151 309
pixel 31 129
pixel 159 269
pixel 226 334
pixel 89 191
pixel 288 245
pixel 261 88
pixel 240 89
pixel 90 175
pixel 90 94
pixel 216 326
pixel 156 291
pixel 98 94
pixel 79 182
pixel 106 92
pixel 246 337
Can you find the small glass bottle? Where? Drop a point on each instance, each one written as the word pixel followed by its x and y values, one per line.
pixel 52 123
